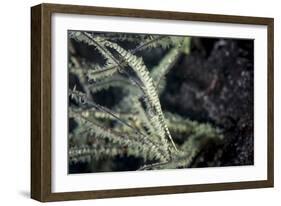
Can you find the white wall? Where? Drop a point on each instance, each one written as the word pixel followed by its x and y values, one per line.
pixel 15 103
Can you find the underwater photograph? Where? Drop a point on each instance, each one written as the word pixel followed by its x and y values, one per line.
pixel 149 102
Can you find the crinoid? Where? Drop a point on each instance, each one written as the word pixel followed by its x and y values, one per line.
pixel 136 125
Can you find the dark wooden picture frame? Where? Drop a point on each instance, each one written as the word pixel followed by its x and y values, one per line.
pixel 41 101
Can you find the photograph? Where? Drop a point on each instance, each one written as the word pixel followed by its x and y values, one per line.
pixel 148 101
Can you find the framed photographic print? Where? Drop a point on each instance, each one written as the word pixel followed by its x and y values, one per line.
pixel 130 102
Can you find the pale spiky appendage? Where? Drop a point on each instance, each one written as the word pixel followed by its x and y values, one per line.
pixel 148 86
